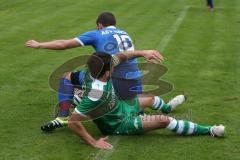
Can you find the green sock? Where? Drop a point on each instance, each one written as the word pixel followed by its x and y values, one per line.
pixel 166 108
pixel 202 130
pixel 159 104
pixel 188 128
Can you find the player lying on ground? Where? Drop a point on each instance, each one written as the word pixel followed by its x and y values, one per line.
pixel 76 80
pixel 116 117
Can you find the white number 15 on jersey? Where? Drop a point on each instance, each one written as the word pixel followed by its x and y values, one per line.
pixel 124 42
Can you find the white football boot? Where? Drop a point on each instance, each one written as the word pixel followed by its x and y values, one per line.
pixel 176 101
pixel 217 131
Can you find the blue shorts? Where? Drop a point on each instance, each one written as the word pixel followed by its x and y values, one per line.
pixel 127 88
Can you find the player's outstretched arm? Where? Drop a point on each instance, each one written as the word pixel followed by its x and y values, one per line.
pixel 75 125
pixel 152 56
pixel 54 45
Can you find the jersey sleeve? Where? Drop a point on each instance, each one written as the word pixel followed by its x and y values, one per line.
pixel 88 38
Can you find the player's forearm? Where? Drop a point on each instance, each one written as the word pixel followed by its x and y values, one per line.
pixel 55 45
pixel 125 56
pixel 152 56
pixel 79 129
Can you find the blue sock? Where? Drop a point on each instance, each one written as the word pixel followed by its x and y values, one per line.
pixel 65 96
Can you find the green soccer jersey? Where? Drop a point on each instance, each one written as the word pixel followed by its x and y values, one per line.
pixel 100 103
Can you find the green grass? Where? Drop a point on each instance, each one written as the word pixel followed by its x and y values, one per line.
pixel 202 57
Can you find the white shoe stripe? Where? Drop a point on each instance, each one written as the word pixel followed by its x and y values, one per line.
pixel 53 122
pixel 57 123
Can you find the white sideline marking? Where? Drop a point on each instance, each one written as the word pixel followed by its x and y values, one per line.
pixel 105 154
pixel 166 39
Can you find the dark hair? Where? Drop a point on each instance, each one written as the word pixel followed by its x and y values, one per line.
pixel 106 19
pixel 99 63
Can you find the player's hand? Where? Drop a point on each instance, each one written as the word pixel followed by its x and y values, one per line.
pixel 153 56
pixel 103 144
pixel 32 44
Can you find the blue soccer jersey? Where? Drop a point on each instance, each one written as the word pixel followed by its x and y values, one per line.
pixel 112 41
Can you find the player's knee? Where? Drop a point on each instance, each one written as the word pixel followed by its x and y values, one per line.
pixel 150 100
pixel 163 120
pixel 67 75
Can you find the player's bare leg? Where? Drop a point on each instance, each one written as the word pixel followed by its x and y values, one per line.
pixel 153 122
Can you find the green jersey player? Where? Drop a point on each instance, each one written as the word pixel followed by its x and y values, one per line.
pixel 114 116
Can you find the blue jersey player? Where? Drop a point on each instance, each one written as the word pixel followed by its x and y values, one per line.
pixel 126 77
pixel 108 39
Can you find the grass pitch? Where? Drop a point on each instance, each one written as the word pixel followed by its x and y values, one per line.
pixel 201 51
